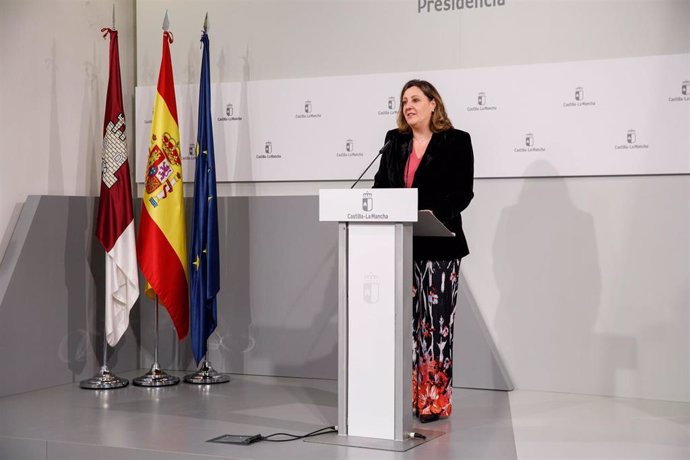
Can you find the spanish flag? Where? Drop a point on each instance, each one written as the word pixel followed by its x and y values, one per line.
pixel 161 243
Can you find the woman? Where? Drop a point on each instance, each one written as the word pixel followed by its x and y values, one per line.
pixel 427 153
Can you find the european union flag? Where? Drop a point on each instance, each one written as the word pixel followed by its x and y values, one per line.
pixel 205 267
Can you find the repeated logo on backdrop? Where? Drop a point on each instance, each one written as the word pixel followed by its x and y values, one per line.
pixel 349 150
pixel 631 142
pixel 684 95
pixel 391 107
pixel 482 103
pixel 529 140
pixel 268 153
pixel 230 114
pixel 529 145
pixel 573 115
pixel 579 99
pixel 308 111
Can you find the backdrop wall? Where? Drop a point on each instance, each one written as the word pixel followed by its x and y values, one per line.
pixel 583 282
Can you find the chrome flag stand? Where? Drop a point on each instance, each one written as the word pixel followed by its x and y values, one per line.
pixel 104 379
pixel 206 374
pixel 156 377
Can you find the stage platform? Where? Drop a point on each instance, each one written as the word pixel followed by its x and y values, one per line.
pixel 69 423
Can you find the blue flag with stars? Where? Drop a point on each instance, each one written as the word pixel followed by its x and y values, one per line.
pixel 205 266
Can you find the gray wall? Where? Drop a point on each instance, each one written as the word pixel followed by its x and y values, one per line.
pixel 51 299
pixel 277 307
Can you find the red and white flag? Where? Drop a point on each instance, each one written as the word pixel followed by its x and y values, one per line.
pixel 115 225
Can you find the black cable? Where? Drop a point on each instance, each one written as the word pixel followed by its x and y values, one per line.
pixel 294 437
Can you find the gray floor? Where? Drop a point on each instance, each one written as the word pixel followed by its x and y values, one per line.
pixel 66 422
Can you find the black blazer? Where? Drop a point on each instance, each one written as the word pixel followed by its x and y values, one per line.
pixel 443 181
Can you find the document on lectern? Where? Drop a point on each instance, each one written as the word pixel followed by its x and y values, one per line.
pixel 428 225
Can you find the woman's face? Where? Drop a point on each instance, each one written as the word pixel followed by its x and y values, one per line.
pixel 417 108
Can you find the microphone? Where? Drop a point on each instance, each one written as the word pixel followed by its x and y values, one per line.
pixel 383 149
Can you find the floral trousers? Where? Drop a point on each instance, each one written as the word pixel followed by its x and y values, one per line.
pixel 435 290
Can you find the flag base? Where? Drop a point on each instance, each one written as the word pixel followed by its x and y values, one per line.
pixel 156 377
pixel 104 380
pixel 206 375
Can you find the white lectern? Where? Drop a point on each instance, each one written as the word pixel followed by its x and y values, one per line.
pixel 375 312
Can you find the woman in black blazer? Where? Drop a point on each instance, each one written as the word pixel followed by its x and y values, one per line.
pixel 425 152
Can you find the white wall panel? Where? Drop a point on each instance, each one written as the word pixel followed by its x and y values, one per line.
pixel 614 117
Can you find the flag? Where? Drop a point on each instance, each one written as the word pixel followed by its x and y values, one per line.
pixel 161 244
pixel 115 223
pixel 204 269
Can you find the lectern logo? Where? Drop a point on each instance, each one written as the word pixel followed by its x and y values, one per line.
pixel 370 289
pixel 367 202
pixel 229 110
pixel 579 93
pixel 631 137
pixel 268 148
pixel 307 106
pixel 481 99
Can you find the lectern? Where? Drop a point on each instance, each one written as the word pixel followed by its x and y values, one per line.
pixel 375 311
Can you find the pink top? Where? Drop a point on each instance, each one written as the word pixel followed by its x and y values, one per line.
pixel 411 168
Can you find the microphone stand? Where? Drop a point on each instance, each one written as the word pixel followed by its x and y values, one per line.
pixel 383 149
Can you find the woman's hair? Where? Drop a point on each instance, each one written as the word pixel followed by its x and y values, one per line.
pixel 439 118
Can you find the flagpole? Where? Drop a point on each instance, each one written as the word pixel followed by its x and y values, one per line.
pixel 161 246
pixel 156 377
pixel 204 270
pixel 104 379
